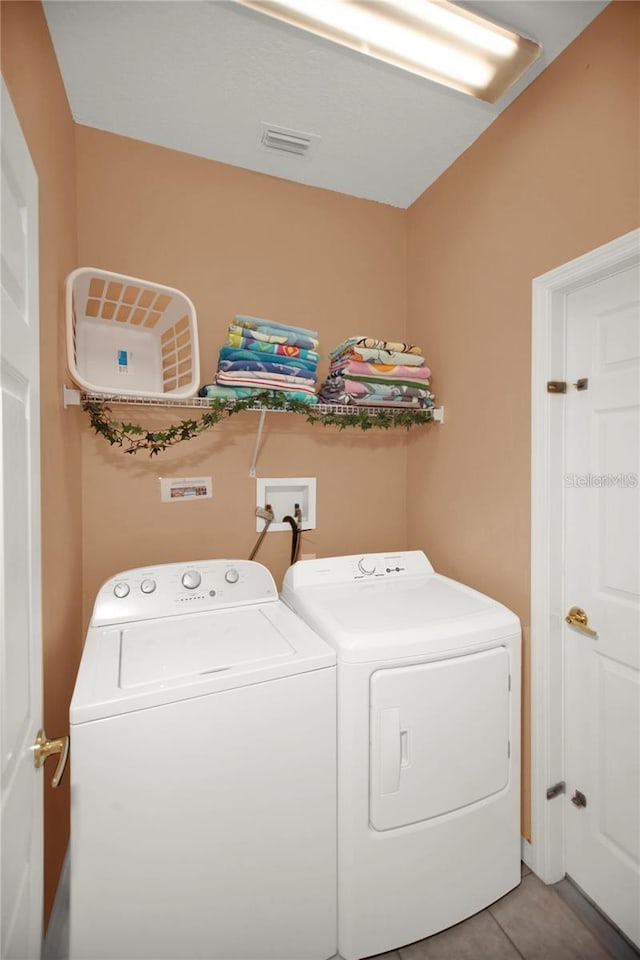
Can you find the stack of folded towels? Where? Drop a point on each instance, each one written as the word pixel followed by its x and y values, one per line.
pixel 378 373
pixel 262 355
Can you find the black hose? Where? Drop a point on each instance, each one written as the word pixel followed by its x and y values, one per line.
pixel 295 537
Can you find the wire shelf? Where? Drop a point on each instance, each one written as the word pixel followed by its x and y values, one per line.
pixel 204 403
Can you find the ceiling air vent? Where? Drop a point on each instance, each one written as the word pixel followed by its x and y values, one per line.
pixel 285 140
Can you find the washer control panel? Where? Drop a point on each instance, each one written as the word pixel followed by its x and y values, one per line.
pixel 176 588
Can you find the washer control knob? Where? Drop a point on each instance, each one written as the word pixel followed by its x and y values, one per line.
pixel 232 576
pixel 191 579
pixel 148 586
pixel 367 566
pixel 121 590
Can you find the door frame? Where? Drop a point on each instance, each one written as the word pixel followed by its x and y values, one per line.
pixel 545 854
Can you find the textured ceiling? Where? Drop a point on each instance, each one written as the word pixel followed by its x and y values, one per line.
pixel 202 76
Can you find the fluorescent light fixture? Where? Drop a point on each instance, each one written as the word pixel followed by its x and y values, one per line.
pixel 432 38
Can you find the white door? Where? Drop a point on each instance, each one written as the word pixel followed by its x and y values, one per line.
pixel 20 578
pixel 602 578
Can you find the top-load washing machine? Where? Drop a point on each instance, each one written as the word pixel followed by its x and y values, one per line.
pixel 428 744
pixel 203 786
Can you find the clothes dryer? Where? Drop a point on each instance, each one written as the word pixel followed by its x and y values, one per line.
pixel 428 744
pixel 203 772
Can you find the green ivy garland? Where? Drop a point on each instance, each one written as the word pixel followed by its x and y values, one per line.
pixel 132 437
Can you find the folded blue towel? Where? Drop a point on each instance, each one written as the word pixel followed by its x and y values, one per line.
pixel 250 356
pixel 256 323
pixel 215 392
pixel 271 335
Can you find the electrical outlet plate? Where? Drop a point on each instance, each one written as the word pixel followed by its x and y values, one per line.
pixel 283 493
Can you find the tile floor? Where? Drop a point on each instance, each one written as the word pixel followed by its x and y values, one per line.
pixel 533 922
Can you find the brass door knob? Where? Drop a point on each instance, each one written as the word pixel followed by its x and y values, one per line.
pixel 578 618
pixel 44 748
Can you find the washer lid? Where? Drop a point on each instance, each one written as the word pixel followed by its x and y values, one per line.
pixel 194 646
pixel 133 666
pixel 384 619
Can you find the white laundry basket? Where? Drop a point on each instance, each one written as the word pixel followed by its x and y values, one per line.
pixel 130 337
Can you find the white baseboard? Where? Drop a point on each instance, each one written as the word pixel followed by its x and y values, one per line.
pixel 526 853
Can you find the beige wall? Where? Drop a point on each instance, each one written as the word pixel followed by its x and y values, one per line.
pixel 31 74
pixel 556 175
pixel 240 242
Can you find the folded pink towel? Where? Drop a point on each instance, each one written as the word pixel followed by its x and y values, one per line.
pixel 273 382
pixel 361 369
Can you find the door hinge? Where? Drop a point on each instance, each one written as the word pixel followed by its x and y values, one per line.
pixel 556 789
pixel 579 799
pixel 556 386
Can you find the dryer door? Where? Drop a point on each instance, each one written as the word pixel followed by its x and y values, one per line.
pixel 439 737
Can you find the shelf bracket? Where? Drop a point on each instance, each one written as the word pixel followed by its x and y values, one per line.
pixel 70 398
pixel 256 448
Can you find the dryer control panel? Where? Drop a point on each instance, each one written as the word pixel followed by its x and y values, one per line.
pixel 369 566
pixel 172 589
